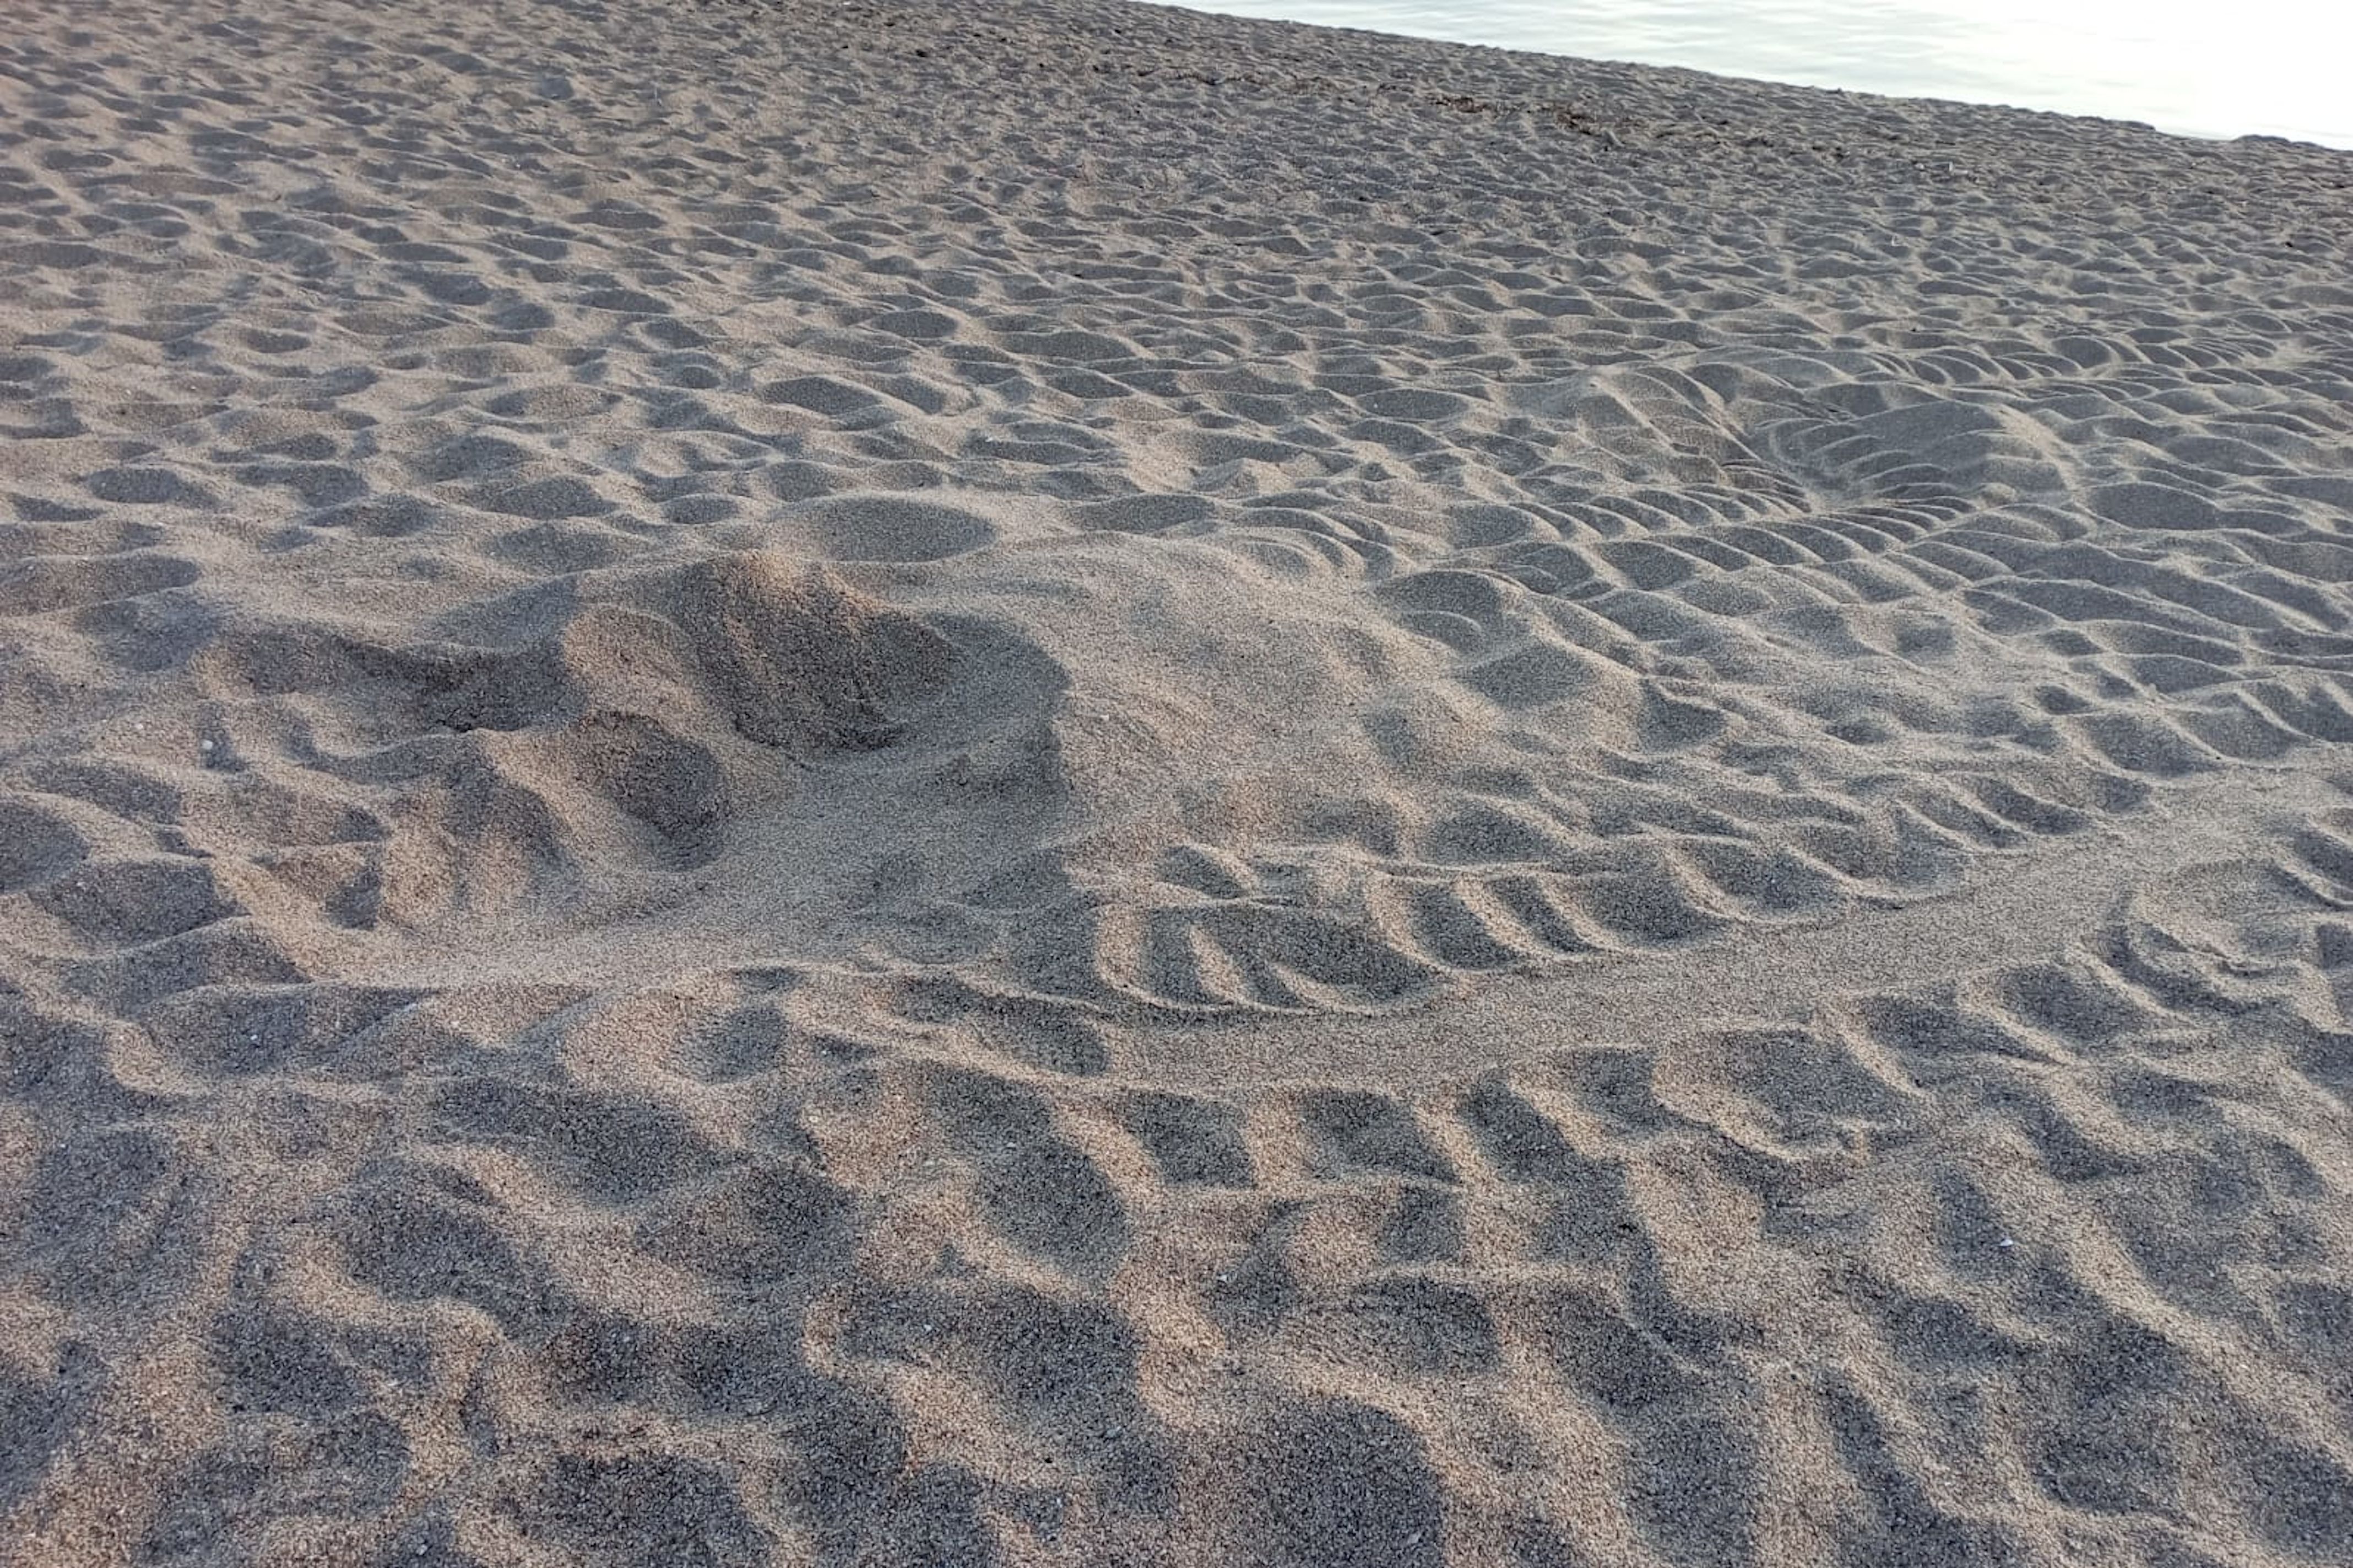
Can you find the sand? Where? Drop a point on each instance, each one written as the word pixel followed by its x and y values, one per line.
pixel 810 784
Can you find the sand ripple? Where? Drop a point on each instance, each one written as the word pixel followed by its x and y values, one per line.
pixel 897 785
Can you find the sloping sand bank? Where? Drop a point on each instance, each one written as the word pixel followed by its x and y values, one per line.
pixel 1061 783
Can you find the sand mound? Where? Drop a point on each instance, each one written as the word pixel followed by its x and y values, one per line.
pixel 861 785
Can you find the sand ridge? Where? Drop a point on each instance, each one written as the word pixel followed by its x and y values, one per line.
pixel 872 783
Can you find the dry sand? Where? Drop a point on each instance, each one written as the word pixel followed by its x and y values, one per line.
pixel 1061 783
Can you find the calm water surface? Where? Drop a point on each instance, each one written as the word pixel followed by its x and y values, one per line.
pixel 2216 68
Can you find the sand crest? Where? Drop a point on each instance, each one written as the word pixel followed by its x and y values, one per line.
pixel 1064 784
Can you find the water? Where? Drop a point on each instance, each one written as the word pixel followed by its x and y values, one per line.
pixel 2215 67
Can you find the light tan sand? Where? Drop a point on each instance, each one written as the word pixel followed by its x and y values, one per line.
pixel 1057 783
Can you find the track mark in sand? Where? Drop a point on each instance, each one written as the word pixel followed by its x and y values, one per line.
pixel 2015 908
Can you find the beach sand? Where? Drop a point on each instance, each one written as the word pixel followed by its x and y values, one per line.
pixel 1055 783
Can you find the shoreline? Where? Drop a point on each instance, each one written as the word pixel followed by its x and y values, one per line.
pixel 1732 75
